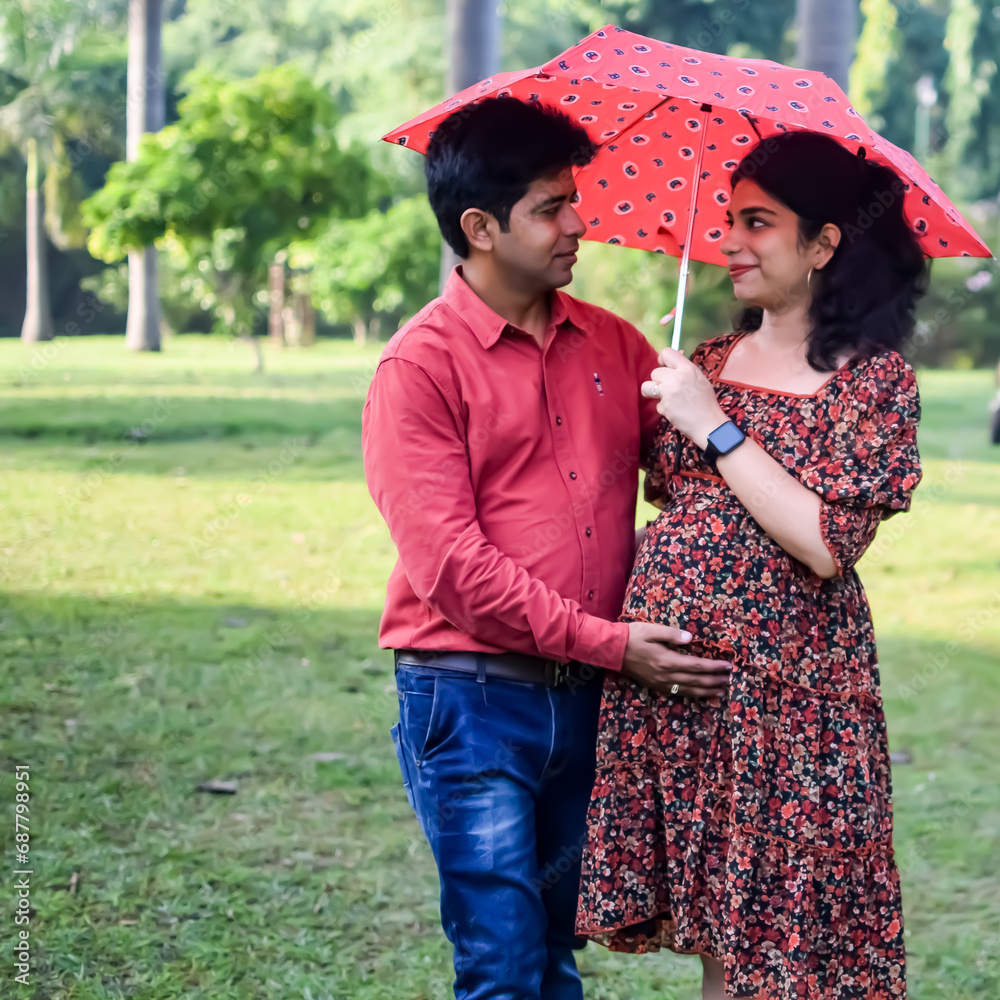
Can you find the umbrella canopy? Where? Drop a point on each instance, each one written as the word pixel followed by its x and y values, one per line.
pixel 672 123
pixel 642 101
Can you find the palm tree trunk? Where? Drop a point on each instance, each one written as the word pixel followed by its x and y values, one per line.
pixel 473 54
pixel 38 311
pixel 827 32
pixel 145 113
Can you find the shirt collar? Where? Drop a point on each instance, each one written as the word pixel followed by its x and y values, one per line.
pixel 489 326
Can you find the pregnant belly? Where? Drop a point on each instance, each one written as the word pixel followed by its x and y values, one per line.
pixel 701 568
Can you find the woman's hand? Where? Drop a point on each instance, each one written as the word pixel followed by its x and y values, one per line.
pixel 686 397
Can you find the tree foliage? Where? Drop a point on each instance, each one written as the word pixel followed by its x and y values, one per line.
pixel 380 267
pixel 249 166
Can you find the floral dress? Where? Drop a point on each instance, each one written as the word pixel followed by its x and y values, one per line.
pixel 757 828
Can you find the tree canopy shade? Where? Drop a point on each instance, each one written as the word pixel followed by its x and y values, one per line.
pixel 249 166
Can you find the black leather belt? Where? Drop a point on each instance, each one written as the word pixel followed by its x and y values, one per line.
pixel 501 666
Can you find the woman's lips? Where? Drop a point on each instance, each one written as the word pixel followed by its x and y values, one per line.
pixel 735 272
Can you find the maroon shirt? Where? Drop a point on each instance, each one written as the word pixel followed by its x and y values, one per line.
pixel 507 474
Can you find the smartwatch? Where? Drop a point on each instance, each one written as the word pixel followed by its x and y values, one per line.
pixel 725 438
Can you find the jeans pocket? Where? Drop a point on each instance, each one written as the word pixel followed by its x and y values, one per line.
pixel 418 714
pixel 404 769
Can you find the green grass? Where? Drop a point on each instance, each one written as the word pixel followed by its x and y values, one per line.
pixel 191 575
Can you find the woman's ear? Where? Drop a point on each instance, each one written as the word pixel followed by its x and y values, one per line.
pixel 475 224
pixel 827 241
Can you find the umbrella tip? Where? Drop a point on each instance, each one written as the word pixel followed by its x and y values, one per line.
pixel 666 319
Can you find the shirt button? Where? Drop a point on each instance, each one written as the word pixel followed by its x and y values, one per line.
pixel 572 475
pixel 590 595
pixel 588 532
pixel 559 421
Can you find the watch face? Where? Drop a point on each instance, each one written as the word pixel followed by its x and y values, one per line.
pixel 726 437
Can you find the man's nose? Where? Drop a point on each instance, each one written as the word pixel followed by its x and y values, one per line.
pixel 575 226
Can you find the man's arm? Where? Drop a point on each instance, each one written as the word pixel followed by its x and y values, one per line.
pixel 417 469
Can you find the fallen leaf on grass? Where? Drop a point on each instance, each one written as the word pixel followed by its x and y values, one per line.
pixel 217 787
pixel 234 622
pixel 326 756
pixel 901 757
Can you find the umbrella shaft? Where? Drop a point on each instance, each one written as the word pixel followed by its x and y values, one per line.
pixel 675 342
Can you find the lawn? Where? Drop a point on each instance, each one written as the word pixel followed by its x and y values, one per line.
pixel 192 573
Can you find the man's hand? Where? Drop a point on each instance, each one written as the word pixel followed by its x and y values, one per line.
pixel 650 660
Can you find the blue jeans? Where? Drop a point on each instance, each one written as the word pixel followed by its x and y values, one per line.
pixel 500 774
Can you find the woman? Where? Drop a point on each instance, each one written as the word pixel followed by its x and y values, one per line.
pixel 756 830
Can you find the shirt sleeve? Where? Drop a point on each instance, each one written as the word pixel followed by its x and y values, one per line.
pixel 417 468
pixel 652 425
pixel 866 468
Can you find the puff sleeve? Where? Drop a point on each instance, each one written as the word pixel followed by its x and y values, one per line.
pixel 866 465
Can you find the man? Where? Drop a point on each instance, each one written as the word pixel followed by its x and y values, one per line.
pixel 502 438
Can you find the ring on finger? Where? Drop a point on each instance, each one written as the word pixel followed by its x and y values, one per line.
pixel 675 688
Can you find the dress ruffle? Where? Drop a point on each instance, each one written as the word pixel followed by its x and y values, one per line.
pixel 828 921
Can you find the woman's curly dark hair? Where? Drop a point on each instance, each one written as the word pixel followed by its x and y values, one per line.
pixel 864 298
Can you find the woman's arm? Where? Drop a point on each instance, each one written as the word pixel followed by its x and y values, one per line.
pixel 777 501
pixel 788 511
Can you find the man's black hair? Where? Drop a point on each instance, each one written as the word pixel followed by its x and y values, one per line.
pixel 487 155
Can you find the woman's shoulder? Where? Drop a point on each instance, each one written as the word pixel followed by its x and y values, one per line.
pixel 883 382
pixel 882 373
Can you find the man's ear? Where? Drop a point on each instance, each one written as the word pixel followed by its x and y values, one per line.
pixel 477 226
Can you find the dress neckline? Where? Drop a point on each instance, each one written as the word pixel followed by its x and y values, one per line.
pixel 714 375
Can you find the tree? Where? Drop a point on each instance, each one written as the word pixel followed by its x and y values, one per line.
pixel 826 34
pixel 66 81
pixel 249 166
pixel 473 40
pixel 381 267
pixel 972 40
pixel 878 44
pixel 145 113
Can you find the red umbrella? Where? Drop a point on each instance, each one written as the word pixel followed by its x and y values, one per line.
pixel 673 122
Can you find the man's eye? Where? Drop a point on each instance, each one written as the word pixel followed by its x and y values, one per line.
pixel 575 200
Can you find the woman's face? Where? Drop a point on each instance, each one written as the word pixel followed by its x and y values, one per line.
pixel 767 264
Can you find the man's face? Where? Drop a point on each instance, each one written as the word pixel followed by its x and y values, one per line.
pixel 545 230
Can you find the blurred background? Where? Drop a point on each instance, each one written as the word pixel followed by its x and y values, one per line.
pixel 203 247
pixel 268 177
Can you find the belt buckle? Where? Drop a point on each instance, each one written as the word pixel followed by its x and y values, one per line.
pixel 559 673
